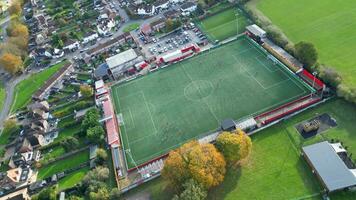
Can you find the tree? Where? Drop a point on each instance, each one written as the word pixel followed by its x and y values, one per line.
pixel 192 191
pixel 17 29
pixel 95 133
pixel 47 194
pixel 9 124
pixel 91 119
pixel 69 143
pixel 306 53
pixel 86 90
pixel 102 156
pixel 100 174
pixel 169 24
pixel 20 42
pixel 234 146
pixel 15 8
pixel 201 162
pixel 115 194
pixel 101 194
pixel 11 63
pixel 329 75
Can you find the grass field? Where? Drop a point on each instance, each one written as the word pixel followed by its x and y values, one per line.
pixel 224 25
pixel 62 165
pixel 26 88
pixel 328 24
pixel 275 170
pixel 131 27
pixel 165 109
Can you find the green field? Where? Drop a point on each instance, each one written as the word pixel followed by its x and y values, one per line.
pixel 328 24
pixel 131 27
pixel 224 25
pixel 169 107
pixel 72 179
pixel 26 88
pixel 62 165
pixel 2 95
pixel 275 170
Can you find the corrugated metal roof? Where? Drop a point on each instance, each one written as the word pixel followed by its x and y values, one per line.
pixel 330 167
pixel 121 58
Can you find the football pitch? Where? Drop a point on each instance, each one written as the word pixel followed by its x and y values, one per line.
pixel 328 24
pixel 162 110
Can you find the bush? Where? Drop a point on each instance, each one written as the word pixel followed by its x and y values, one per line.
pixel 70 143
pixel 330 76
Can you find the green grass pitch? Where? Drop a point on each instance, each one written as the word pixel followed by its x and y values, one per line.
pixel 328 24
pixel 162 110
pixel 224 25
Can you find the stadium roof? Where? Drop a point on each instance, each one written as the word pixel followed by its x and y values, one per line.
pixel 256 30
pixel 331 169
pixel 121 58
pixel 110 123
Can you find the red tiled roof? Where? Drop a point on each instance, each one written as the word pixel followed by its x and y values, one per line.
pixel 110 124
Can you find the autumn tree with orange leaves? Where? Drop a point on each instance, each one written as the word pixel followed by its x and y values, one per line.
pixel 234 146
pixel 201 162
pixel 11 63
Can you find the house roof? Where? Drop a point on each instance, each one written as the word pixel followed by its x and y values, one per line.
pixel 121 58
pixel 158 22
pixel 187 5
pixel 330 167
pixel 108 43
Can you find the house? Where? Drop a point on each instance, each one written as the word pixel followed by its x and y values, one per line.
pixel 41 38
pixel 159 24
pixel 145 10
pixel 171 14
pixel 146 29
pixel 43 105
pixel 90 36
pixel 15 178
pixel 41 126
pixel 42 22
pixel 71 45
pixel 39 114
pixel 41 93
pixel 188 8
pixel 100 48
pixel 160 4
pixel 21 194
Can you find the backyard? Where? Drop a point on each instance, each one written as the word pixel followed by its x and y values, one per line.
pixel 26 88
pixel 72 179
pixel 62 165
pixel 328 24
pixel 275 169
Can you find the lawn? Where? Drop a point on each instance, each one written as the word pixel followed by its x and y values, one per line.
pixel 328 24
pixel 72 179
pixel 131 27
pixel 70 131
pixel 275 169
pixel 53 153
pixel 162 110
pixel 62 165
pixel 26 88
pixel 224 25
pixel 2 95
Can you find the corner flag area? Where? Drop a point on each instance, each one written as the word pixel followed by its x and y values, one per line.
pixel 160 111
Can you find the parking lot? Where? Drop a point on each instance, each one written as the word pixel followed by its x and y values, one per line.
pixel 171 42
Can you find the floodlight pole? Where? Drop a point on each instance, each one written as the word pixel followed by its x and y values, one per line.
pixel 314 75
pixel 237 24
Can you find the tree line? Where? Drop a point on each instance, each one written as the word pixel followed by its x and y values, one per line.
pixel 14 49
pixel 194 168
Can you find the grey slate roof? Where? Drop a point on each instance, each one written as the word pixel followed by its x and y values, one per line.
pixel 331 169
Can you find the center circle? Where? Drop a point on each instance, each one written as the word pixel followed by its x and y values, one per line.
pixel 198 90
